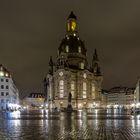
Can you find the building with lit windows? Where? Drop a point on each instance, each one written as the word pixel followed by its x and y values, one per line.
pixel 70 73
pixel 34 101
pixel 137 95
pixel 120 97
pixel 9 94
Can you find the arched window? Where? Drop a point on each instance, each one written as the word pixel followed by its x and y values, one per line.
pixel 82 65
pixel 61 88
pixel 72 88
pixel 84 90
pixel 93 91
pixel 79 49
pixel 67 48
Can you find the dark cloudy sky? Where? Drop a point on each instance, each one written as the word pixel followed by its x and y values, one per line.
pixel 31 31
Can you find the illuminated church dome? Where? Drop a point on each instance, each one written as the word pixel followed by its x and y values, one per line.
pixel 70 76
pixel 71 47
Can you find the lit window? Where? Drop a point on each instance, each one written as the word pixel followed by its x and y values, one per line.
pixel 93 91
pixel 72 85
pixel 61 88
pixel 79 49
pixel 72 93
pixel 82 65
pixel 67 48
pixel 68 26
pixel 85 76
pixel 84 86
pixel 84 90
pixel 72 88
pixel 84 94
pixel 73 25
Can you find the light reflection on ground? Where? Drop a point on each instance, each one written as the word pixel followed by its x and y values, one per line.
pixel 97 124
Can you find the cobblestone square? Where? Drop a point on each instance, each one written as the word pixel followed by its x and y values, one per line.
pixel 65 126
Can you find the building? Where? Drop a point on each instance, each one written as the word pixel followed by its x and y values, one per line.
pixel 34 101
pixel 137 94
pixel 130 97
pixel 9 94
pixel 119 97
pixel 71 75
pixel 104 98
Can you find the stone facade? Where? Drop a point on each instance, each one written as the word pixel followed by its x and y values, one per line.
pixel 119 97
pixel 137 94
pixel 72 74
pixel 34 101
pixel 9 94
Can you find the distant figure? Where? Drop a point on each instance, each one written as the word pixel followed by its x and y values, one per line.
pixel 69 98
pixel 69 107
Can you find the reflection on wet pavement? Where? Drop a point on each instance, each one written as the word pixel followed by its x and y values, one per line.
pixel 97 125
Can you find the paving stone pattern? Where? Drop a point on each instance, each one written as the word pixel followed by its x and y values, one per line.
pixel 68 127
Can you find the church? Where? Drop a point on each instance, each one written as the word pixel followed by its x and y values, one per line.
pixel 71 73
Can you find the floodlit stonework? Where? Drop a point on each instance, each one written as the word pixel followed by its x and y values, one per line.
pixel 70 73
pixel 34 101
pixel 120 97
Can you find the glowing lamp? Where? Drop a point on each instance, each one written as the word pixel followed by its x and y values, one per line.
pixel 6 74
pixel 1 73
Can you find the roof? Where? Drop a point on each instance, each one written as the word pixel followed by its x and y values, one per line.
pixel 36 95
pixel 73 42
pixel 121 89
pixel 5 71
pixel 72 15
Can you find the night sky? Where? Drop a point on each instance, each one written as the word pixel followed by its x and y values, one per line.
pixel 31 31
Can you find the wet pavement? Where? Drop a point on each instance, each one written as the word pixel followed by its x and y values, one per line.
pixel 43 125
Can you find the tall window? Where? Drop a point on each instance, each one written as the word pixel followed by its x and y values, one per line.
pixel 93 91
pixel 67 48
pixel 82 65
pixel 7 93
pixel 2 86
pixel 72 88
pixel 84 90
pixel 61 88
pixel 2 93
pixel 7 87
pixel 79 49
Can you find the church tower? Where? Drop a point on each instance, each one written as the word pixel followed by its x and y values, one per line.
pixel 95 64
pixel 72 24
pixel 72 50
pixel 70 74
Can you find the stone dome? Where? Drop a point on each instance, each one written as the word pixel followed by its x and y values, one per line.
pixel 72 44
pixel 72 50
